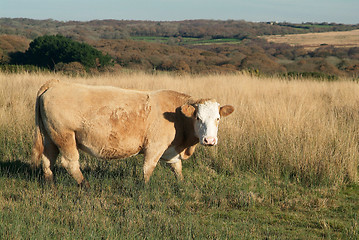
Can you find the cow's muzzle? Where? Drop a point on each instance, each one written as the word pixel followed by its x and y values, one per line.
pixel 209 141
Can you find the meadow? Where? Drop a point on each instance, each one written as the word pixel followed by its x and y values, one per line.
pixel 188 40
pixel 312 41
pixel 286 167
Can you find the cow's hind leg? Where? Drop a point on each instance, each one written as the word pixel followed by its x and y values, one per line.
pixel 70 160
pixel 49 157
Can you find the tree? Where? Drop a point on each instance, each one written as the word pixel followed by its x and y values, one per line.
pixel 47 51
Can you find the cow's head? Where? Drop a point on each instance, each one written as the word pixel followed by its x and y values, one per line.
pixel 206 115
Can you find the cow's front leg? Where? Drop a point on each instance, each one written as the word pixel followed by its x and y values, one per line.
pixel 177 169
pixel 151 159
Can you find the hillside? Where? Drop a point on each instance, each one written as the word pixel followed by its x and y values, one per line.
pixel 122 29
pixel 199 46
pixel 12 43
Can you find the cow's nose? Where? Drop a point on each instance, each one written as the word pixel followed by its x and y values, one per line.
pixel 210 141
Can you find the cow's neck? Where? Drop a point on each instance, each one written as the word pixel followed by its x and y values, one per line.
pixel 189 141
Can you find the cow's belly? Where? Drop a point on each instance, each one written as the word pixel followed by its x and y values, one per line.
pixel 103 148
pixel 110 152
pixel 113 133
pixel 106 141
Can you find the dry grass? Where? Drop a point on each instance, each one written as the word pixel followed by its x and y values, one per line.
pixel 283 136
pixel 314 40
pixel 304 130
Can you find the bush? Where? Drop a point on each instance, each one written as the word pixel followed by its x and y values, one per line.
pixel 47 51
pixel 73 68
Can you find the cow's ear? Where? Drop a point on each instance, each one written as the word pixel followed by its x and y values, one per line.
pixel 226 110
pixel 188 110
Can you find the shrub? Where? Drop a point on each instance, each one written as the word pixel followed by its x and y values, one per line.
pixel 73 68
pixel 47 51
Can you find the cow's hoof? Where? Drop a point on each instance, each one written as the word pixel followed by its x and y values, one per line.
pixel 84 185
pixel 49 178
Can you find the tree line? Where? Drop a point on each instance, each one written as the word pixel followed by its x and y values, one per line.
pixel 123 29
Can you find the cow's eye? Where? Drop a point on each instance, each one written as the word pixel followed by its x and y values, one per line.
pixel 198 118
pixel 217 119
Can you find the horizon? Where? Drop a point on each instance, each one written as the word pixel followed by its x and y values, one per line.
pixel 183 20
pixel 329 11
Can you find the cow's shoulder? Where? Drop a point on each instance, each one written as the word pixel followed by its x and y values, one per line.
pixel 167 103
pixel 169 97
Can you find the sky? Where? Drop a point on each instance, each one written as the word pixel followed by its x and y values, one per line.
pixel 294 11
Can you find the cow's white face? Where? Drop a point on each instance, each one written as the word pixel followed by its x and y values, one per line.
pixel 206 118
pixel 206 123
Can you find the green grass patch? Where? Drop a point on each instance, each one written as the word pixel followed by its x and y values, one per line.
pixel 187 40
pixel 151 39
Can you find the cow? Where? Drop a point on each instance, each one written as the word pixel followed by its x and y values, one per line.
pixel 114 123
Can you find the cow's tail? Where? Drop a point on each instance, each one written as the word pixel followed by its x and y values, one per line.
pixel 38 145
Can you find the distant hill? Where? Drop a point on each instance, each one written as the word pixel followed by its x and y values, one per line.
pixel 122 29
pixel 12 43
pixel 197 46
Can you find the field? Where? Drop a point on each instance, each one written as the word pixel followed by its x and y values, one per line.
pixel 188 40
pixel 314 40
pixel 286 167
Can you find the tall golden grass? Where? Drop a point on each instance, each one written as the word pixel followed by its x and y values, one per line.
pixel 303 130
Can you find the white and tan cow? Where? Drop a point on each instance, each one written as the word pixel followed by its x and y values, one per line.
pixel 110 122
